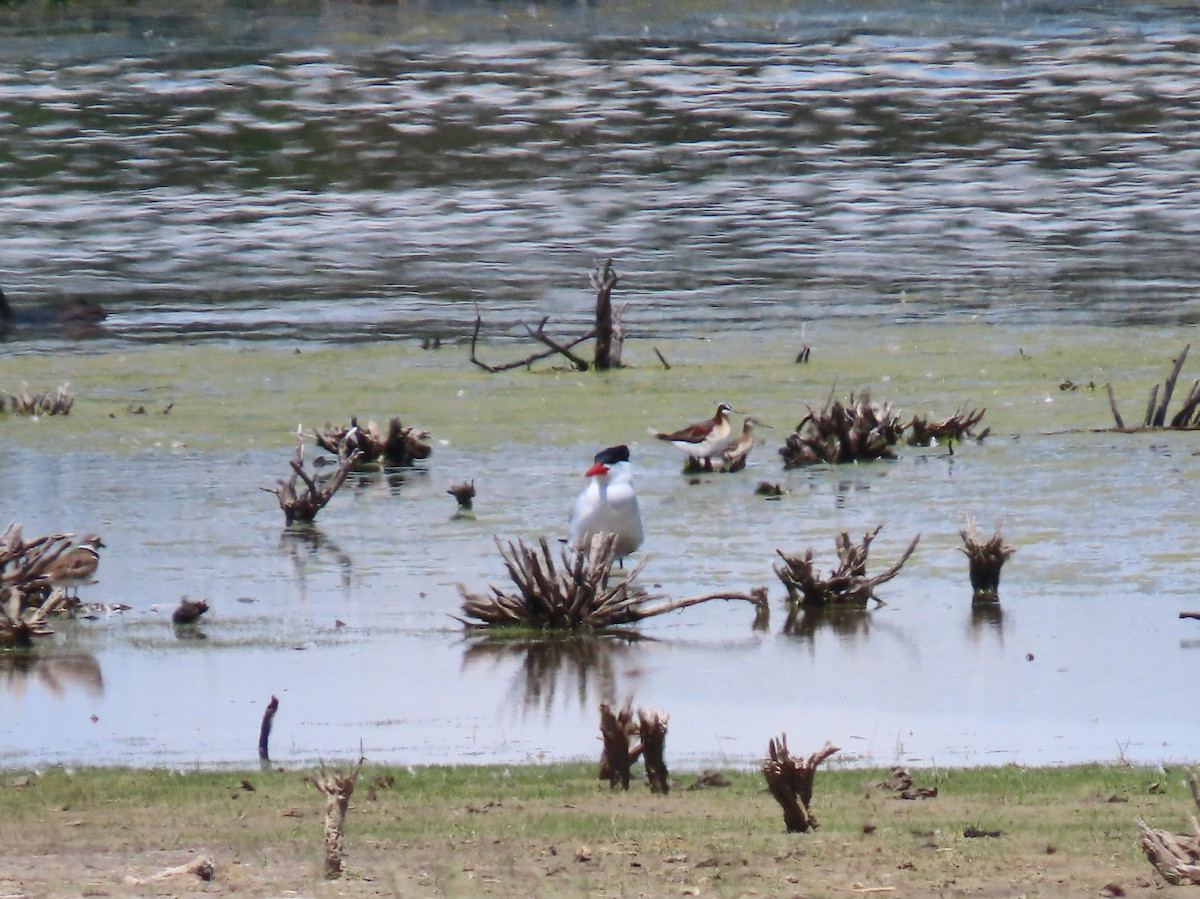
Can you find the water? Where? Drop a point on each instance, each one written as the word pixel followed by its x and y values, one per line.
pixel 920 187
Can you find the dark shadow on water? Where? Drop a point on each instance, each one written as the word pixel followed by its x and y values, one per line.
pixel 309 547
pixel 56 673
pixel 556 666
pixel 986 618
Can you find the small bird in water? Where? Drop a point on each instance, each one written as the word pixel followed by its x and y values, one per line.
pixel 609 504
pixel 704 440
pixel 76 566
pixel 734 456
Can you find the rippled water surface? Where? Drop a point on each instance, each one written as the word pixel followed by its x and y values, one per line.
pixel 951 203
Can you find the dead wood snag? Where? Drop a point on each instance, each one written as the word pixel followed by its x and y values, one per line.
pixel 791 782
pixel 848 584
pixel 856 430
pixel 985 558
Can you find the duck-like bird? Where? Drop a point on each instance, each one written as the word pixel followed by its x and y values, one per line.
pixel 704 440
pixel 608 504
pixel 76 566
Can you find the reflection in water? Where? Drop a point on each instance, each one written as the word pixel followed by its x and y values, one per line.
pixel 53 672
pixel 551 666
pixel 986 617
pixel 307 546
pixel 848 623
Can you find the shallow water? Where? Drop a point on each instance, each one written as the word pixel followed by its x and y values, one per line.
pixel 967 207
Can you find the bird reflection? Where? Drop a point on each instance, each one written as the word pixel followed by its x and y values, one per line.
pixel 849 623
pixel 986 617
pixel 54 673
pixel 551 667
pixel 307 546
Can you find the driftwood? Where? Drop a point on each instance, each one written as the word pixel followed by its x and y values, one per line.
pixel 791 783
pixel 846 584
pixel 1187 418
pixel 27 598
pixel 618 757
pixel 839 432
pixel 575 595
pixel 49 402
pixel 303 507
pixel 608 333
pixel 264 730
pixel 201 867
pixel 923 432
pixel 401 447
pixel 1176 856
pixel 985 558
pixel 338 787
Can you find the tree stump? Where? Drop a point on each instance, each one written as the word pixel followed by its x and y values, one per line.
pixel 1175 856
pixel 338 787
pixel 923 432
pixel 848 583
pixel 985 558
pixel 840 432
pixel 303 507
pixel 652 728
pixel 617 757
pixel 791 783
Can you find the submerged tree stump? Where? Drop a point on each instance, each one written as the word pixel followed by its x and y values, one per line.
pixel 575 595
pixel 985 558
pixel 923 432
pixel 791 783
pixel 617 757
pixel 1188 416
pixel 1176 856
pixel 652 729
pixel 401 447
pixel 48 402
pixel 856 430
pixel 848 584
pixel 302 508
pixel 338 787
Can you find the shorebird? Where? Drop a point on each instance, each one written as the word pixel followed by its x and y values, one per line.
pixel 703 440
pixel 608 504
pixel 75 567
pixel 733 458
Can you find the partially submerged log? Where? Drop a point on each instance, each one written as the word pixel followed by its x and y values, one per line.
pixel 856 430
pixel 401 447
pixel 302 508
pixel 608 332
pixel 338 787
pixel 1176 856
pixel 791 782
pixel 985 558
pixel 1186 419
pixel 576 594
pixel 849 583
pixel 948 431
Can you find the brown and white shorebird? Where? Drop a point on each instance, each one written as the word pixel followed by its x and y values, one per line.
pixel 704 440
pixel 77 566
pixel 734 456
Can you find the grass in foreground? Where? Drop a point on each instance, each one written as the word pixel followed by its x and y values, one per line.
pixel 555 830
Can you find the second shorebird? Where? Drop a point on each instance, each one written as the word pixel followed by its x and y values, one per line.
pixel 76 566
pixel 608 504
pixel 704 440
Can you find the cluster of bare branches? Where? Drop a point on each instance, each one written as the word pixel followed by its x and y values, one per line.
pixel 1156 409
pixel 617 729
pixel 838 432
pixel 1176 856
pixel 48 402
pixel 401 447
pixel 608 332
pixel 985 558
pixel 302 507
pixel 578 594
pixel 923 432
pixel 27 598
pixel 849 583
pixel 791 782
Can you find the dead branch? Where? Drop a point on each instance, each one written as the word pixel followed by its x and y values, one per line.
pixel 519 363
pixel 575 595
pixel 1176 856
pixel 264 730
pixel 27 598
pixel 652 729
pixel 1156 408
pixel 400 448
pixel 541 336
pixel 840 432
pixel 846 584
pixel 338 787
pixel 948 431
pixel 617 757
pixel 303 507
pixel 985 558
pixel 791 782
pixel 610 337
pixel 201 867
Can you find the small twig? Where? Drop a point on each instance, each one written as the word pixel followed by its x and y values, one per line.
pixel 665 364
